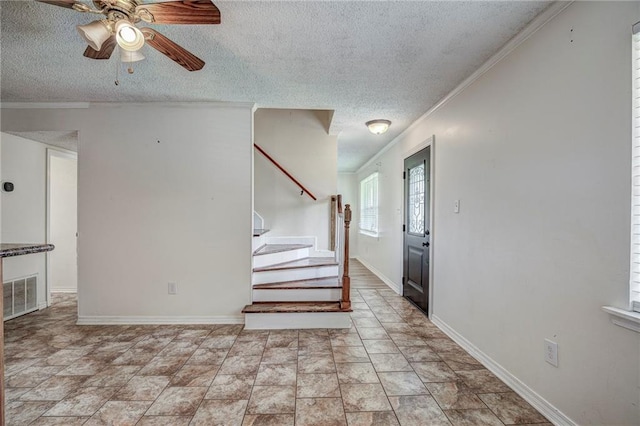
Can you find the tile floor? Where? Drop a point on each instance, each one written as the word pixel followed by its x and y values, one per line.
pixel 393 367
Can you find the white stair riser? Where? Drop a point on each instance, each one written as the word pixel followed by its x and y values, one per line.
pixel 280 275
pixel 257 242
pixel 297 320
pixel 279 257
pixel 298 295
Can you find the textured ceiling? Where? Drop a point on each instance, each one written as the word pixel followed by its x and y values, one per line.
pixel 364 60
pixel 64 140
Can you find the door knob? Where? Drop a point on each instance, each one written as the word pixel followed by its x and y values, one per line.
pixel 425 244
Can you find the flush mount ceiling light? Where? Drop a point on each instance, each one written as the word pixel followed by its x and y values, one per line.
pixel 378 127
pixel 118 26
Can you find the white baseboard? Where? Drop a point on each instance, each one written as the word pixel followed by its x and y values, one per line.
pixel 554 415
pixel 158 320
pixel 393 286
pixel 64 290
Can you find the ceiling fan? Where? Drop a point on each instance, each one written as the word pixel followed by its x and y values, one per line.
pixel 118 27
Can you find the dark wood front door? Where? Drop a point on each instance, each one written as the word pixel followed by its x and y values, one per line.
pixel 417 199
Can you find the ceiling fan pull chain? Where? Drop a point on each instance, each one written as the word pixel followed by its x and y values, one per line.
pixel 117 72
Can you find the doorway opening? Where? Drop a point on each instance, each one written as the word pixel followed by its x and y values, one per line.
pixel 62 222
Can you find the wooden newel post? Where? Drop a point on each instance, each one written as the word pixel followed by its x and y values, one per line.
pixel 345 304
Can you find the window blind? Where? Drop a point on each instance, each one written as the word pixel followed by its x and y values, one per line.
pixel 635 168
pixel 369 205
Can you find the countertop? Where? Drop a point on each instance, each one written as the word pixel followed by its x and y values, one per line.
pixel 16 249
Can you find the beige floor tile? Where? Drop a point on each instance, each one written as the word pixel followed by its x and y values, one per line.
pixel 247 347
pixel 32 376
pixel 317 386
pixel 164 421
pixel 389 362
pixel 482 381
pixel 282 340
pixel 232 386
pixel 115 375
pixel 208 356
pixel 419 354
pixel 269 420
pixel 477 417
pixel 177 401
pixel 350 354
pixel 240 365
pixel 418 411
pixel 434 371
pixel 320 412
pixel 82 402
pixel 349 339
pixel 279 355
pixel 163 366
pixel 142 388
pixel 443 345
pixel 272 400
pixel 121 413
pixel 511 408
pixel 59 421
pixel 54 388
pixel 220 412
pixel 371 333
pixel 460 361
pixel 402 383
pixel 194 375
pixel 454 395
pixel 276 375
pixel 380 347
pixel 316 364
pixel 356 372
pixel 19 413
pixel 218 342
pixel 364 397
pixel 380 418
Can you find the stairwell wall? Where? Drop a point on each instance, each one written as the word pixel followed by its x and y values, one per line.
pixel 299 142
pixel 538 151
pixel 164 195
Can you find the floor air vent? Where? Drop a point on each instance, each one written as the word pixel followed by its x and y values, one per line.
pixel 20 296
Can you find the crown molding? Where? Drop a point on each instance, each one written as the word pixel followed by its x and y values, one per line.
pixel 538 22
pixel 44 105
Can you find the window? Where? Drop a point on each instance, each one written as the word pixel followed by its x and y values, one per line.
pixel 369 205
pixel 635 168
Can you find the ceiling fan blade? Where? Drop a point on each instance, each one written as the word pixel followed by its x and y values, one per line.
pixel 181 12
pixel 105 52
pixel 62 3
pixel 175 52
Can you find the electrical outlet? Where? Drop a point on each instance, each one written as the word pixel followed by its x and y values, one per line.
pixel 456 206
pixel 551 352
pixel 173 288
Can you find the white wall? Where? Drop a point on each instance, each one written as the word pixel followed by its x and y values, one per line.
pixel 349 187
pixel 24 163
pixel 63 222
pixel 164 195
pixel 298 141
pixel 538 152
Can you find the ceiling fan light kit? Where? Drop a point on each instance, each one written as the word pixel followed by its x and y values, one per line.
pixel 128 56
pixel 128 36
pixel 378 127
pixel 95 33
pixel 119 28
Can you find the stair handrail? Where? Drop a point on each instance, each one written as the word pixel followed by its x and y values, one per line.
pixel 345 303
pixel 282 169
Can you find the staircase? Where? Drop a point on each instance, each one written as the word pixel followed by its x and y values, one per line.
pixel 292 288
